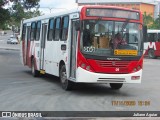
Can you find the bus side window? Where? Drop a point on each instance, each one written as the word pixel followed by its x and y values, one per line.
pixel 155 37
pixel 33 31
pixel 57 29
pixel 23 32
pixel 158 37
pixel 50 30
pixel 28 33
pixel 38 30
pixel 65 22
pixel 150 37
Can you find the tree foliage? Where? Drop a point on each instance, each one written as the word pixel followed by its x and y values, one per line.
pixel 147 19
pixel 5 16
pixel 27 4
pixel 151 22
pixel 19 10
pixel 156 24
pixel 18 13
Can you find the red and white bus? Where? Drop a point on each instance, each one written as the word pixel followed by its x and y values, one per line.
pixel 152 44
pixel 77 45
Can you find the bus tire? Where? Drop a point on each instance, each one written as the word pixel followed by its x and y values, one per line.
pixel 151 54
pixel 116 86
pixel 35 72
pixel 66 84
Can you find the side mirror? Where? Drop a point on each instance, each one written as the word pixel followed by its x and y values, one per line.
pixel 77 25
pixel 144 33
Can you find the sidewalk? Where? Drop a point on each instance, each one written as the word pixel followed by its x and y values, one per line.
pixel 10 48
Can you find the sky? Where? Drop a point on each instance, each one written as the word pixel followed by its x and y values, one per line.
pixel 47 6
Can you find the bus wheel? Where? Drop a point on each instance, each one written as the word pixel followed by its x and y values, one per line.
pixel 151 54
pixel 35 72
pixel 66 84
pixel 116 86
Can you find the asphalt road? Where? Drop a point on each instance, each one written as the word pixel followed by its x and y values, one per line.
pixel 19 91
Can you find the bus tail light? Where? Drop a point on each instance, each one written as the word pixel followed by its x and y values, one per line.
pixel 135 77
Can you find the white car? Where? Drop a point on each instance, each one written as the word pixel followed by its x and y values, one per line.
pixel 9 41
pixel 12 40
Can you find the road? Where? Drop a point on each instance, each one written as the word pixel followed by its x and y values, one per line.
pixel 20 91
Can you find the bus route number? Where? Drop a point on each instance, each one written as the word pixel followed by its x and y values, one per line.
pixel 89 49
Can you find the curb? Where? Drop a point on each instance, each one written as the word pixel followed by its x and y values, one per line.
pixel 10 49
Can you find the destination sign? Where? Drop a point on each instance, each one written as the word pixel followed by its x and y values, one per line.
pixel 114 13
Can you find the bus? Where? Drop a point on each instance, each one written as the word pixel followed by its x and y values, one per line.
pixel 152 44
pixel 77 45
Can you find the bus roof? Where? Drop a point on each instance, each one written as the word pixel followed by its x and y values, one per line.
pixel 73 10
pixel 153 31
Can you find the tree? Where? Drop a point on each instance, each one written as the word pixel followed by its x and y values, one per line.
pixel 27 4
pixel 20 9
pixel 147 19
pixel 19 12
pixel 156 23
pixel 4 13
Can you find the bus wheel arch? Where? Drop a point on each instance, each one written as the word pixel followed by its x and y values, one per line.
pixel 66 84
pixel 61 63
pixel 151 53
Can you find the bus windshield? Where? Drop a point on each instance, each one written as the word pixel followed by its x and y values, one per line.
pixel 111 38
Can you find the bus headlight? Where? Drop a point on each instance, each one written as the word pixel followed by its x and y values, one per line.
pixel 83 65
pixel 137 68
pixel 134 70
pixel 88 68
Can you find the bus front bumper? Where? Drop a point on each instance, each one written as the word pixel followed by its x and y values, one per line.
pixel 85 76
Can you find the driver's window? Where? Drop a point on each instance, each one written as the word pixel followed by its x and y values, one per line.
pixel 158 37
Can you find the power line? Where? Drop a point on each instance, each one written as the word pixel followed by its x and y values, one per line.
pixel 50 9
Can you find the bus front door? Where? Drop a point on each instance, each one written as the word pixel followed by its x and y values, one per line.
pixel 73 51
pixel 42 49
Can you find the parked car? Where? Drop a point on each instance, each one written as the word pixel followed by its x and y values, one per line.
pixel 9 41
pixel 12 40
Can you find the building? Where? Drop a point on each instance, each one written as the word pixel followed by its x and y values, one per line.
pixel 149 6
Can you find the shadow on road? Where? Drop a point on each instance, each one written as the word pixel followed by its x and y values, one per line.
pixel 83 88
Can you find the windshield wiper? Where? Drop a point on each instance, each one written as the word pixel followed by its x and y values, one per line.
pixel 98 19
pixel 124 25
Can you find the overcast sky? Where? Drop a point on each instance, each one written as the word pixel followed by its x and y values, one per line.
pixel 59 4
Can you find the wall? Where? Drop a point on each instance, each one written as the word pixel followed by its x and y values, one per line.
pixel 148 8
